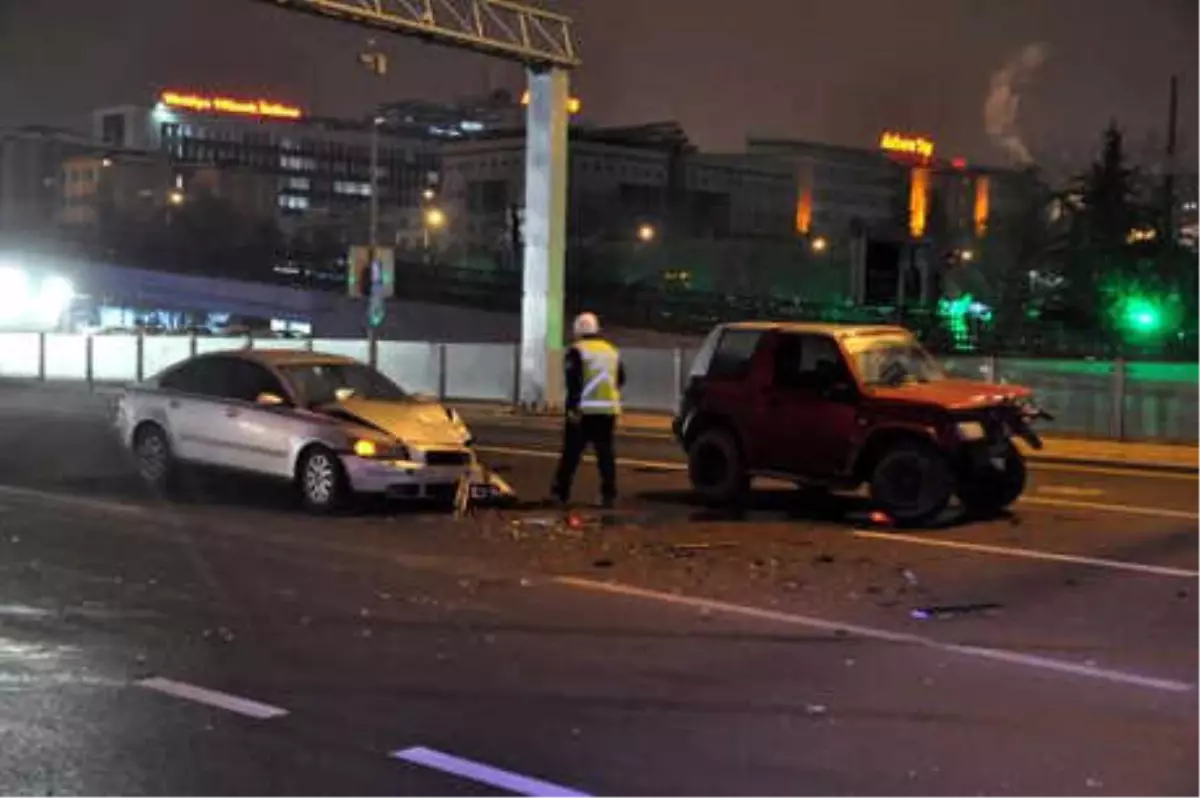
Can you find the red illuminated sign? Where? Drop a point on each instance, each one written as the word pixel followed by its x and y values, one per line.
pixel 227 105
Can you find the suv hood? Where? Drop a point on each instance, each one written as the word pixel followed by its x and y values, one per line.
pixel 952 394
pixel 418 423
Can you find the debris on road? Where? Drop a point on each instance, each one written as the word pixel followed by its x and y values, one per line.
pixel 722 544
pixel 952 610
pixel 816 709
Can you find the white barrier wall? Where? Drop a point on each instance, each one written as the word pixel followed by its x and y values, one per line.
pixel 1134 401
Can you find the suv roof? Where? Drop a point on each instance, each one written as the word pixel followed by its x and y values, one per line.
pixel 839 331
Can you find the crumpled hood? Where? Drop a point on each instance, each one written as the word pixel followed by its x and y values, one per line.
pixel 410 422
pixel 952 394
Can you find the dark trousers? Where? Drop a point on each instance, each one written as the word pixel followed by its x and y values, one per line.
pixel 598 431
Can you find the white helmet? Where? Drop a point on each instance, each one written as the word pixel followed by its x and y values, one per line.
pixel 586 324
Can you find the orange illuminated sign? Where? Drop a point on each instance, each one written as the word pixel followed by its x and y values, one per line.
pixel 228 105
pixel 906 145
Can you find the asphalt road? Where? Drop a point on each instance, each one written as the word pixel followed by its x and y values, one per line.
pixel 227 643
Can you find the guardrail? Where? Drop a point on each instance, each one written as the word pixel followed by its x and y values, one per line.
pixel 1114 399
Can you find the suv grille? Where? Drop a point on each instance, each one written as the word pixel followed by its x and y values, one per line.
pixel 443 458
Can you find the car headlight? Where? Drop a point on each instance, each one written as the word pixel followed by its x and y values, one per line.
pixel 971 430
pixel 364 447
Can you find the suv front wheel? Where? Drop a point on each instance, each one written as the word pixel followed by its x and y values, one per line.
pixel 989 489
pixel 912 483
pixel 716 467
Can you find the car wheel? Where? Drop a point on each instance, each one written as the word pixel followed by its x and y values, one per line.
pixel 322 480
pixel 988 490
pixel 912 483
pixel 716 468
pixel 153 457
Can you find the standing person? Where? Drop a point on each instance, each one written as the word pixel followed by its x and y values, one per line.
pixel 594 379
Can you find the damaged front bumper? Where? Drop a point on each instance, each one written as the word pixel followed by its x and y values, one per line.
pixel 405 479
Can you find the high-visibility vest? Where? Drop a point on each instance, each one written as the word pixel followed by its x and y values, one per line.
pixel 601 365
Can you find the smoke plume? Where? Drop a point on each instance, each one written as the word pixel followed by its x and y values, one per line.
pixel 1004 100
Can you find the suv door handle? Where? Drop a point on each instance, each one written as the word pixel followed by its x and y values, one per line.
pixel 173 404
pixel 232 412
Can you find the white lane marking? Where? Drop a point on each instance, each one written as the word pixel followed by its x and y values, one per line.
pixel 1127 509
pixel 214 698
pixel 484 774
pixel 1068 490
pixel 661 465
pixel 65 498
pixel 667 465
pixel 1111 471
pixel 1029 554
pixel 873 633
pixel 1033 461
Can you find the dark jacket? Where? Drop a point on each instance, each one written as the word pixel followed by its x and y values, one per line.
pixel 573 370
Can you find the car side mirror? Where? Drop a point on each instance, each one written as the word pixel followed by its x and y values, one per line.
pixel 267 399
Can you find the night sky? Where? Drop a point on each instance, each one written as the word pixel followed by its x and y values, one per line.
pixel 828 70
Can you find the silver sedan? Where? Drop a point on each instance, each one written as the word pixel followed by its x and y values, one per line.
pixel 330 424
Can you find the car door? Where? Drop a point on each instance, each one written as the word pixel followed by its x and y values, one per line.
pixel 812 407
pixel 257 437
pixel 194 411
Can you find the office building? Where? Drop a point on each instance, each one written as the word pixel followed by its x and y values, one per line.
pixel 30 175
pixel 316 168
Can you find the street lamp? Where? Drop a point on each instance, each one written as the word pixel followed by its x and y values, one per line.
pixel 435 219
pixel 175 197
pixel 646 233
pixel 373 233
pixel 820 244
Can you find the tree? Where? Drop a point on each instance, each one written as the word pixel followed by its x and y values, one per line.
pixel 1095 249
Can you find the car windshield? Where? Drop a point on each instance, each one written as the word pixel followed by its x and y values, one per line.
pixel 321 383
pixel 895 361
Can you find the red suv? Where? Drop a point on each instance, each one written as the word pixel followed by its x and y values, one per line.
pixel 837 406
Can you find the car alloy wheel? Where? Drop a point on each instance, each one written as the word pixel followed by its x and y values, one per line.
pixel 321 480
pixel 153 456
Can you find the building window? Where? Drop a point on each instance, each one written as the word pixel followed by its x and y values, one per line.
pixel 289 202
pixel 352 188
pixel 297 183
pixel 297 164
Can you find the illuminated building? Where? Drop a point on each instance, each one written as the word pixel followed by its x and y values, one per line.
pixel 620 180
pixel 30 174
pixel 311 165
pixel 893 207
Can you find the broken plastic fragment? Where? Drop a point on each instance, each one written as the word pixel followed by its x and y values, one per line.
pixel 950 611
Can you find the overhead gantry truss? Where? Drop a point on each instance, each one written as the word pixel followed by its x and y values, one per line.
pixel 511 30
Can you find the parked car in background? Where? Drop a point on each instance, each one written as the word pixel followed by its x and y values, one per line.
pixel 331 425
pixel 838 406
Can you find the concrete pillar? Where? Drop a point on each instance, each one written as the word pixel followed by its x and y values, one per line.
pixel 545 238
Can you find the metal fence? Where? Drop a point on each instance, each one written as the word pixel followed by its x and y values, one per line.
pixel 1096 398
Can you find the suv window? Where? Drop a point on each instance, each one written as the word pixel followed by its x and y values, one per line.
pixel 734 352
pixel 808 362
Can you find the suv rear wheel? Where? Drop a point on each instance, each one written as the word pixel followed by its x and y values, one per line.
pixel 716 467
pixel 912 483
